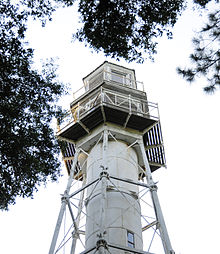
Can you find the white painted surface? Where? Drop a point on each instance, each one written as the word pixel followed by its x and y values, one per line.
pixel 122 210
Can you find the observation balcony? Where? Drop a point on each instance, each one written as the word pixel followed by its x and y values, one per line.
pixel 104 105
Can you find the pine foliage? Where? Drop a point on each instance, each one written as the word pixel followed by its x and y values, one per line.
pixel 206 56
pixel 125 28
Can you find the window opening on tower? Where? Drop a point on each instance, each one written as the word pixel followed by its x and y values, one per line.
pixel 121 77
pixel 130 237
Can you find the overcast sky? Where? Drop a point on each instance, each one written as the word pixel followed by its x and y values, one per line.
pixel 188 188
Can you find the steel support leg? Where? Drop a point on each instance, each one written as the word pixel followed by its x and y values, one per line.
pixel 103 193
pixel 80 206
pixel 63 205
pixel 158 211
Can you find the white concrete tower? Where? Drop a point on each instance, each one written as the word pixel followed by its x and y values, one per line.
pixel 111 143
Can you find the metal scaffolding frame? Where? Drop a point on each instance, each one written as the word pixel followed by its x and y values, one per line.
pixel 156 224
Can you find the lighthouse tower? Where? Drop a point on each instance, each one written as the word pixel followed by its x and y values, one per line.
pixel 111 143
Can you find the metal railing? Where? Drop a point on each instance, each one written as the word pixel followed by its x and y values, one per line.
pixel 106 97
pixel 114 78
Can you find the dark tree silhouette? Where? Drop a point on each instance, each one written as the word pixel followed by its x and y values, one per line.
pixel 125 28
pixel 28 149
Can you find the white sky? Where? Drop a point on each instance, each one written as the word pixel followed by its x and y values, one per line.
pixel 188 188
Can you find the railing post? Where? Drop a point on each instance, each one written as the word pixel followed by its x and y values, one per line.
pixel 102 96
pixel 78 111
pixel 104 74
pixel 129 98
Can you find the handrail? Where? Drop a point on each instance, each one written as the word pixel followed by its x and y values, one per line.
pixel 103 96
pixel 107 76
